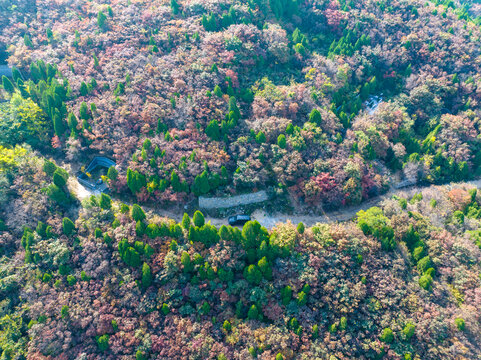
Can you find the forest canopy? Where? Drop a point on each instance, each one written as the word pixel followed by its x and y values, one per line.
pixel 323 104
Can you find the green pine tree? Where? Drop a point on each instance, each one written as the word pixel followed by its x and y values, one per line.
pixel 105 201
pixel 198 219
pixel 174 5
pixel 101 20
pixel 217 91
pixel 315 117
pixel 146 276
pixel 260 138
pixel 58 125
pixel 68 226
pixel 7 85
pixel 137 213
pixel 213 130
pixel 84 89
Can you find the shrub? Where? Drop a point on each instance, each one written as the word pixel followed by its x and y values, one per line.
pixel 373 222
pixel 302 298
pixel 152 231
pixel 146 276
pixel 253 313
pixel 252 274
pixel 68 226
pixel 7 85
pixel 101 19
pixel 260 138
pixel 71 280
pixel 265 268
pixel 165 309
pixel 227 326
pixel 424 264
pixel 186 221
pixel 286 295
pixel 46 277
pixel 107 239
pixel 408 330
pixel 198 219
pixel 218 91
pixel 98 233
pixel 41 228
pixel 148 251
pixel 139 355
pixel 60 177
pixel 103 342
pixel 387 336
pixel 64 313
pixel 426 281
pixel 84 276
pixel 186 262
pixel 458 216
pixel 124 208
pixel 140 228
pixel 105 201
pixel 300 228
pixel 49 167
pixel 112 173
pixel 137 213
pixel 315 117
pixel 460 323
pixel 205 308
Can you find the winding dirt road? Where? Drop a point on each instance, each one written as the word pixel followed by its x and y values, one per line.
pixel 270 220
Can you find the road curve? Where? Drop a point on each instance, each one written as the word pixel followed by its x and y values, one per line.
pixel 270 220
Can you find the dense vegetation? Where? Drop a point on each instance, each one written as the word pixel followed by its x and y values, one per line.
pixel 109 281
pixel 196 98
pixel 322 103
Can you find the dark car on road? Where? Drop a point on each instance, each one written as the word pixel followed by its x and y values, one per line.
pixel 238 219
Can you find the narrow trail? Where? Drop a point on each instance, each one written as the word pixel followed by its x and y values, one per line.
pixel 270 220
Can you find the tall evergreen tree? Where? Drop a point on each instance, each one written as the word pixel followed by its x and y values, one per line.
pixel 213 130
pixel 16 74
pixel 58 125
pixel 101 20
pixel 7 85
pixel 174 5
pixel 84 89
pixel 146 276
pixel 198 219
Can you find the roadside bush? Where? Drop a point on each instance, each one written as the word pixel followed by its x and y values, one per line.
pixel 137 213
